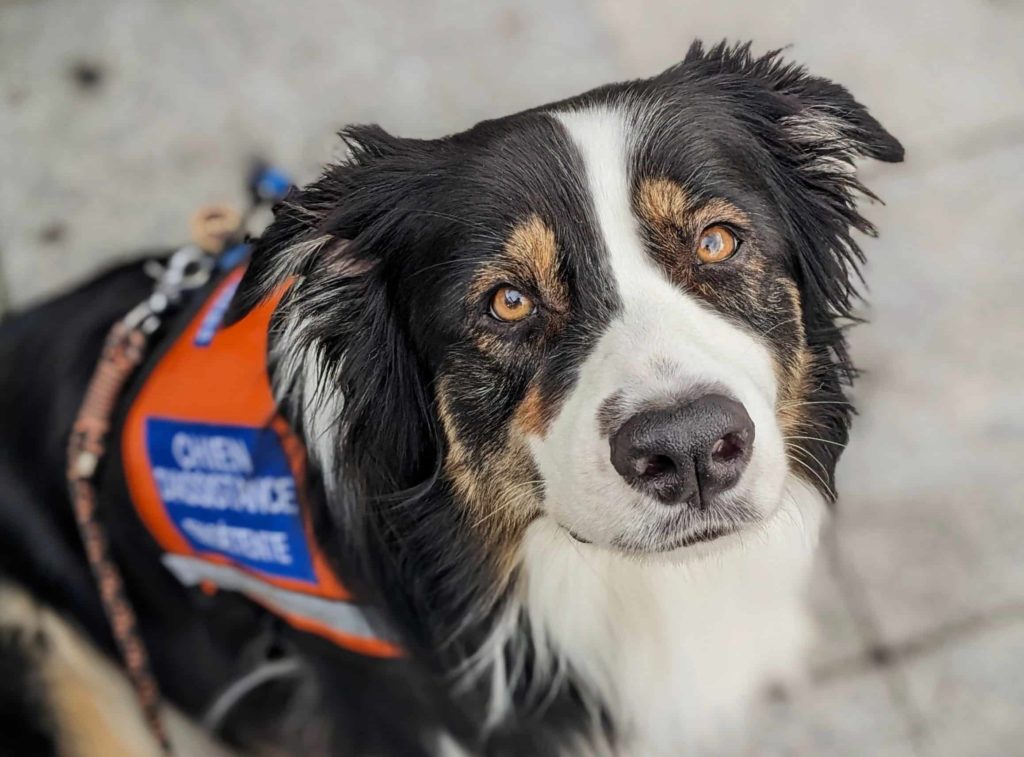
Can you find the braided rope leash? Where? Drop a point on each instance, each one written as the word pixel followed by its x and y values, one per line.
pixel 122 354
pixel 123 351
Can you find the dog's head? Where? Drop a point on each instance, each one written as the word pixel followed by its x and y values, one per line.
pixel 621 312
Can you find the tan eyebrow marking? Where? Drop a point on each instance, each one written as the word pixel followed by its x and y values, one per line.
pixel 663 202
pixel 530 256
pixel 532 244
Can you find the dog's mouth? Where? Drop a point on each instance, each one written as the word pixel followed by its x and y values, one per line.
pixel 576 536
pixel 656 546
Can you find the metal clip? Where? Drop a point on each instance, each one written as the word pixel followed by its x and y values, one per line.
pixel 188 268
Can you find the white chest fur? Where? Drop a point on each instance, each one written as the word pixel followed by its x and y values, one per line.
pixel 676 647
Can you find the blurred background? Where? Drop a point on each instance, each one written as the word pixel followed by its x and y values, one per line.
pixel 118 119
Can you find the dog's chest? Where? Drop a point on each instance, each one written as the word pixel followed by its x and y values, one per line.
pixel 677 652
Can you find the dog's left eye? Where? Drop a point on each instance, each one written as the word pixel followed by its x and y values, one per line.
pixel 508 304
pixel 717 243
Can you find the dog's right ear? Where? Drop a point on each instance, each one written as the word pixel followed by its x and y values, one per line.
pixel 337 246
pixel 313 226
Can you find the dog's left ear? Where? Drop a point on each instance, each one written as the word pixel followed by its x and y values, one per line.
pixel 820 118
pixel 829 123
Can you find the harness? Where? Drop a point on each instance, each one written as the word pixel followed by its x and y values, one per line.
pixel 215 473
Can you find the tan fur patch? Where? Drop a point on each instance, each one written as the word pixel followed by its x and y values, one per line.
pixel 533 416
pixel 532 245
pixel 662 205
pixel 794 376
pixel 529 258
pixel 497 488
pixel 94 707
pixel 661 200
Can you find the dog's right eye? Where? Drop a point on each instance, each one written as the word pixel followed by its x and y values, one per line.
pixel 510 305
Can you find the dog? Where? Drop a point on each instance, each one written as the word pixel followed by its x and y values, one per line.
pixel 572 387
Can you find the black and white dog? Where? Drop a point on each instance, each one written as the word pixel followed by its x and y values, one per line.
pixel 572 386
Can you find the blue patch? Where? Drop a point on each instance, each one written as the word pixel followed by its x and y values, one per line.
pixel 234 256
pixel 214 316
pixel 230 491
pixel 272 184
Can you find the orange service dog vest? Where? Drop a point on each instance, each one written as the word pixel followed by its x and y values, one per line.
pixel 217 476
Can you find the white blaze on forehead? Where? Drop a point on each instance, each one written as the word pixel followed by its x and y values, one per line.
pixel 602 137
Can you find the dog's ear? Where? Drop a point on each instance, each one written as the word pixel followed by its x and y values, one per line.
pixel 819 116
pixel 341 358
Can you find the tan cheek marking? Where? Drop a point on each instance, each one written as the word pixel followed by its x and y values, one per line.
pixel 495 490
pixel 533 416
pixel 457 460
pixel 794 375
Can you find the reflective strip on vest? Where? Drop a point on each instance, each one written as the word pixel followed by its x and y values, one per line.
pixel 344 622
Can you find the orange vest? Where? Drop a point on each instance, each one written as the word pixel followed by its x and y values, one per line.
pixel 217 477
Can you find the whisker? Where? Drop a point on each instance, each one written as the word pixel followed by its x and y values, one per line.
pixel 814 459
pixel 815 474
pixel 816 439
pixel 490 233
pixel 814 402
pixel 779 324
pixel 493 514
pixel 508 505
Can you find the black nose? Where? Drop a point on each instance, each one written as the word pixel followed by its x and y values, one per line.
pixel 686 453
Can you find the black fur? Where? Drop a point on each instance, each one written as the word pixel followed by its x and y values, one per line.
pixel 26 720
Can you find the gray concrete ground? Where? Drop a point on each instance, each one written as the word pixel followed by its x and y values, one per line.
pixel 118 118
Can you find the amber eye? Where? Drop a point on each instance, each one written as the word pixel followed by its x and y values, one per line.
pixel 509 304
pixel 717 243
